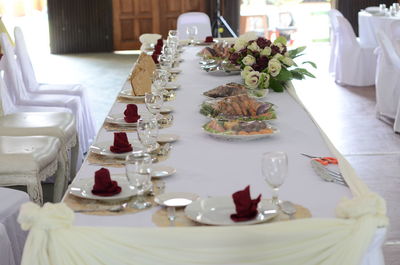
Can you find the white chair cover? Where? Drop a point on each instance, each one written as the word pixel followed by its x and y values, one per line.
pixel 10 202
pixel 333 13
pixel 355 65
pixel 6 254
pixel 28 160
pixel 388 80
pixel 395 31
pixel 21 96
pixel 31 84
pixel 198 19
pixel 147 39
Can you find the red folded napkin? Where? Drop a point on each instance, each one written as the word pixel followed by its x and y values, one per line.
pixel 209 39
pixel 154 56
pixel 246 208
pixel 103 185
pixel 121 143
pixel 158 49
pixel 160 42
pixel 131 113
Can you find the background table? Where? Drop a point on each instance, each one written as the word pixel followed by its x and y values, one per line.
pixel 369 24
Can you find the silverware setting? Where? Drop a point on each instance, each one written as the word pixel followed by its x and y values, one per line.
pixel 112 209
pixel 328 174
pixel 288 208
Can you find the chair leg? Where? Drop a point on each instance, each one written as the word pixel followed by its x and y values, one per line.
pixel 74 159
pixel 35 191
pixel 61 181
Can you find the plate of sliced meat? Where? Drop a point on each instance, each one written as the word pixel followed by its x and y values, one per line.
pixel 239 130
pixel 234 89
pixel 240 107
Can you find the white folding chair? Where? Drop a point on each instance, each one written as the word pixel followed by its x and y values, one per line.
pixel 355 65
pixel 198 19
pixel 10 203
pixel 333 14
pixel 34 122
pixel 20 96
pixel 32 85
pixel 388 80
pixel 28 160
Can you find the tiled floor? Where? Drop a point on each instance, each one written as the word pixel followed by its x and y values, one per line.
pixel 347 114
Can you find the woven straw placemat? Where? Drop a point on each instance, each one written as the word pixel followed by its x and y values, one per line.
pixel 160 217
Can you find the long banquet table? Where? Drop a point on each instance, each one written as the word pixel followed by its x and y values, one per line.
pixel 212 167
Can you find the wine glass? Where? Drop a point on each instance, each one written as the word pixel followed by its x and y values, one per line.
pixel 274 169
pixel 147 130
pixel 154 102
pixel 191 32
pixel 166 62
pixel 173 33
pixel 138 172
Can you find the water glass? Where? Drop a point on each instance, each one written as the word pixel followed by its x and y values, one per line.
pixel 147 130
pixel 154 102
pixel 382 8
pixel 173 33
pixel 166 62
pixel 274 169
pixel 191 32
pixel 138 172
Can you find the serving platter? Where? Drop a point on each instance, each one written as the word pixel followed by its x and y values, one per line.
pixel 241 135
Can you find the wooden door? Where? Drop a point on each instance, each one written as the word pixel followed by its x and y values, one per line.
pixel 131 18
pixel 135 17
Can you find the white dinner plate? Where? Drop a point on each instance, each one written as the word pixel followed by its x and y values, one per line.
pixel 127 93
pixel 167 138
pixel 160 171
pixel 175 71
pixel 103 148
pixel 172 86
pixel 166 110
pixel 119 120
pixel 83 188
pixel 176 199
pixel 218 210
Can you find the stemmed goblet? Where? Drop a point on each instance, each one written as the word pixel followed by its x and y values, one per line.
pixel 191 32
pixel 147 131
pixel 274 169
pixel 138 172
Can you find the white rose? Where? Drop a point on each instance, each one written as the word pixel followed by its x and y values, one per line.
pixel 254 47
pixel 266 51
pixel 252 79
pixel 248 36
pixel 239 44
pixel 287 61
pixel 249 60
pixel 278 56
pixel 280 45
pixel 264 80
pixel 246 70
pixel 274 67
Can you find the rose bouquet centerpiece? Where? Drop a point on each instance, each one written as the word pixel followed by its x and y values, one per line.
pixel 266 64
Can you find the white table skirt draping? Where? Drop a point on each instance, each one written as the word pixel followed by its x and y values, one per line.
pixel 14 237
pixel 369 24
pixel 211 167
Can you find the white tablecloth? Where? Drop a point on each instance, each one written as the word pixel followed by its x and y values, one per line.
pixel 12 238
pixel 369 24
pixel 211 167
